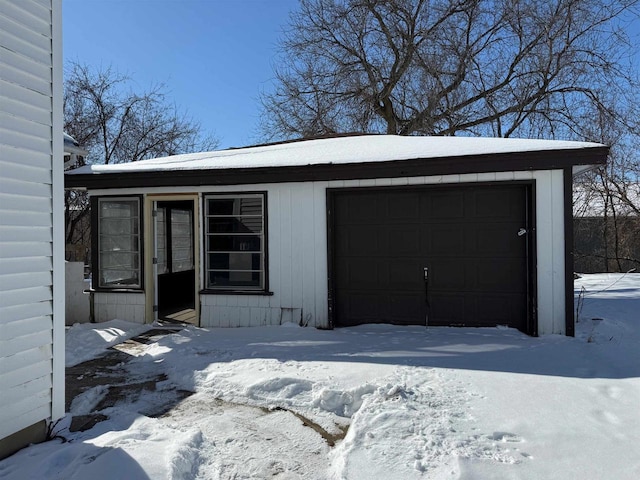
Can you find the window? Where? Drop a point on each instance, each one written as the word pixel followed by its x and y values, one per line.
pixel 235 242
pixel 174 227
pixel 119 243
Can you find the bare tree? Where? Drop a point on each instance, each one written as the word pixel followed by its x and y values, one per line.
pixel 607 211
pixel 117 124
pixel 528 68
pixel 444 67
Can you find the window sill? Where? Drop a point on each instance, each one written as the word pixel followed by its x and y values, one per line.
pixel 116 290
pixel 263 293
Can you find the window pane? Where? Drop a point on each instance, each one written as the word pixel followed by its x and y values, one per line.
pixel 234 261
pixel 118 242
pixel 119 208
pixel 118 277
pixel 221 206
pixel 119 226
pixel 233 243
pixel 250 205
pixel 227 279
pixel 235 225
pixel 119 260
pixel 161 238
pixel 181 240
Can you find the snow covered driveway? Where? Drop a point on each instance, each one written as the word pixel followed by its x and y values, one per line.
pixel 414 402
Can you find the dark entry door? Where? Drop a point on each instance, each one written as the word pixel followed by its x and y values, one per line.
pixel 472 239
pixel 175 257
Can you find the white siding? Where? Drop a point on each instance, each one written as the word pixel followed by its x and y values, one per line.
pixel 550 241
pixel 31 217
pixel 297 250
pixel 121 305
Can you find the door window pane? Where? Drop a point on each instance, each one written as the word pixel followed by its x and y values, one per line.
pixel 181 240
pixel 119 242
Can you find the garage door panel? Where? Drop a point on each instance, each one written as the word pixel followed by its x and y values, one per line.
pixel 448 274
pixel 360 273
pixel 492 275
pixel 405 274
pixel 447 309
pixel 465 235
pixel 402 240
pixel 446 205
pixel 403 208
pixel 360 307
pixel 404 308
pixel 498 204
pixel 446 239
pixel 494 239
pixel 357 210
pixel 360 240
pixel 491 310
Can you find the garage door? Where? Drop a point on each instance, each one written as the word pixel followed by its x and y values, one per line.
pixel 469 238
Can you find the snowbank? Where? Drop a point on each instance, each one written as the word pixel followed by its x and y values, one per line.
pixel 414 403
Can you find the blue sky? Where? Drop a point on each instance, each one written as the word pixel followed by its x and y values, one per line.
pixel 213 56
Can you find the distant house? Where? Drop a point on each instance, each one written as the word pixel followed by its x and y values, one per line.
pixel 74 153
pixel 341 231
pixel 31 222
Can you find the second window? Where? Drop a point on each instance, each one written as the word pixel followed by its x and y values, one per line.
pixel 235 241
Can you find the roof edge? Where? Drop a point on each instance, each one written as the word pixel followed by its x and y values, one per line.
pixel 482 163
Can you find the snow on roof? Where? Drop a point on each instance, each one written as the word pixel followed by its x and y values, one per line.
pixel 72 147
pixel 340 150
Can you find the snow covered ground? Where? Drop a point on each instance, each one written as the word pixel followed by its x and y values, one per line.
pixel 435 403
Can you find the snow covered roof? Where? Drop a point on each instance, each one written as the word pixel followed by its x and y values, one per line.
pixel 341 150
pixel 344 157
pixel 72 146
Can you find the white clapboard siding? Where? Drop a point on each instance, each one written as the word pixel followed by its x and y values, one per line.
pixel 25 157
pixel 25 296
pixel 12 328
pixel 17 171
pixel 24 249
pixel 25 96
pixel 37 407
pixel 32 370
pixel 23 358
pixel 25 219
pixel 25 265
pixel 31 340
pixel 31 253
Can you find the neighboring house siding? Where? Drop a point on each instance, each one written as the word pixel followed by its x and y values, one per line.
pixel 31 235
pixel 297 250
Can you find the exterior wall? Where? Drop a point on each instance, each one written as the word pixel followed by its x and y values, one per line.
pixel 31 219
pixel 121 305
pixel 77 302
pixel 550 246
pixel 297 250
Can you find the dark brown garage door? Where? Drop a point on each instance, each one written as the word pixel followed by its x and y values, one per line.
pixel 467 238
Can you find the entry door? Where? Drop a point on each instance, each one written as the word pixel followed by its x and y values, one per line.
pixel 472 241
pixel 174 265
